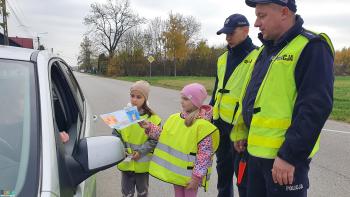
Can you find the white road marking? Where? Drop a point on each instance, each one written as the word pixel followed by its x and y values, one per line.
pixel 336 131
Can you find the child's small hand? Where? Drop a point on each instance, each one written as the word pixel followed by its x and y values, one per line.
pixel 193 184
pixel 135 156
pixel 144 124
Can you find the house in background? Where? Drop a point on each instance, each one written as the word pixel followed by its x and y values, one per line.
pixel 23 42
pixel 18 42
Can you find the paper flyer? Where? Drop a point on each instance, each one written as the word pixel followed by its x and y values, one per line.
pixel 122 118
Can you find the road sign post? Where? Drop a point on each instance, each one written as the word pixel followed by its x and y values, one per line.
pixel 150 60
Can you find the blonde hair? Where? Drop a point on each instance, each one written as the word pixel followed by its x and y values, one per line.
pixel 191 117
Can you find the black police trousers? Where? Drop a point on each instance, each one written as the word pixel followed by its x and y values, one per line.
pixel 260 182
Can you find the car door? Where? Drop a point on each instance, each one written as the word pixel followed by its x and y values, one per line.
pixel 70 116
pixel 88 187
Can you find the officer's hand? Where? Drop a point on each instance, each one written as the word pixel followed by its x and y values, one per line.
pixel 135 156
pixel 240 145
pixel 282 172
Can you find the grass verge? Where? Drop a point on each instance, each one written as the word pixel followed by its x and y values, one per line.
pixel 341 106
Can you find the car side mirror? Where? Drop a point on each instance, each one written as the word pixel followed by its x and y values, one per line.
pixel 94 154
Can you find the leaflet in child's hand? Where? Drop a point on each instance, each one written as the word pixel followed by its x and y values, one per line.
pixel 128 158
pixel 122 118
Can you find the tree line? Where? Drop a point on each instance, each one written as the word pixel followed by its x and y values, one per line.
pixel 342 61
pixel 119 42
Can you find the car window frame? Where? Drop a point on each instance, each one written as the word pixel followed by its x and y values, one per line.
pixel 73 83
pixel 68 97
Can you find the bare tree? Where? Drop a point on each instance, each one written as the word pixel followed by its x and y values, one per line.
pixel 154 43
pixel 132 40
pixel 192 29
pixel 131 56
pixel 154 36
pixel 108 23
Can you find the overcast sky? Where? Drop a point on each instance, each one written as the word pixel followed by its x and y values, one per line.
pixel 59 23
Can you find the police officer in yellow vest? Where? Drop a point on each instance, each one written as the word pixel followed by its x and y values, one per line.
pixel 232 67
pixel 287 99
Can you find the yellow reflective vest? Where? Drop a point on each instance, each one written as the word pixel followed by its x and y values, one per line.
pixel 134 137
pixel 226 98
pixel 274 102
pixel 175 154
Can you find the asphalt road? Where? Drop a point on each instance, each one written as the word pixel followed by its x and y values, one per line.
pixel 329 174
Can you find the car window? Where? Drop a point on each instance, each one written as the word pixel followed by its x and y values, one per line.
pixel 67 114
pixel 74 86
pixel 78 95
pixel 18 126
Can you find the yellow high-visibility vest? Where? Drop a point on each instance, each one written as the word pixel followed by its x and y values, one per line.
pixel 275 102
pixel 134 137
pixel 226 98
pixel 175 154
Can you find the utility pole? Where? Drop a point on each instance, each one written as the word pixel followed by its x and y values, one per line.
pixel 38 38
pixel 4 21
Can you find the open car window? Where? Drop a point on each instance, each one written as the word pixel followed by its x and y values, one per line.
pixel 78 97
pixel 67 117
pixel 67 112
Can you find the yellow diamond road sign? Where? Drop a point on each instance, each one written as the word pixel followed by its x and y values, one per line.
pixel 150 59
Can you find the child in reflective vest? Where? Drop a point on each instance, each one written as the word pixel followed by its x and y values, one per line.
pixel 138 146
pixel 190 138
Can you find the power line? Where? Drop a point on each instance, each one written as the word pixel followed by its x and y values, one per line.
pixel 18 8
pixel 14 13
pixel 21 24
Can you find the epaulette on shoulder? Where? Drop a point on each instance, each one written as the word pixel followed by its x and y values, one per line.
pixel 314 36
pixel 310 35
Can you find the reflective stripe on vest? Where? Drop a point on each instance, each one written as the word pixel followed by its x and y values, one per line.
pixel 226 98
pixel 174 155
pixel 172 167
pixel 134 137
pixel 276 98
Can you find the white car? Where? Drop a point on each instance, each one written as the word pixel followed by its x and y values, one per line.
pixel 39 98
